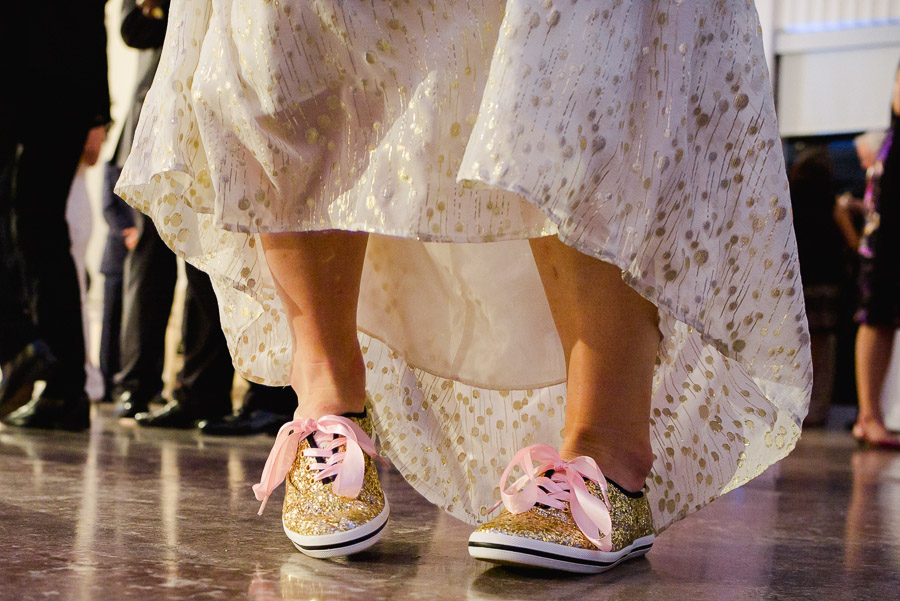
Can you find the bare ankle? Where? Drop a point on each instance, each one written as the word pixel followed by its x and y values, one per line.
pixel 869 418
pixel 871 423
pixel 329 387
pixel 872 426
pixel 315 402
pixel 626 465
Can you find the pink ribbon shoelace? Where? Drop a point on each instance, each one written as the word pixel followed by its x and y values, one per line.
pixel 565 484
pixel 330 432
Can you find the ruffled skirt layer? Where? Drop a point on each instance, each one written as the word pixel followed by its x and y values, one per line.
pixel 641 133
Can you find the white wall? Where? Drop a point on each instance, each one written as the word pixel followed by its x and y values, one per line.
pixel 836 63
pixel 823 15
pixel 841 89
pixel 768 22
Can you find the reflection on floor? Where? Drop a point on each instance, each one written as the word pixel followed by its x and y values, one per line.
pixel 125 513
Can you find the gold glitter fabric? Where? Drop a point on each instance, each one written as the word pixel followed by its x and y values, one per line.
pixel 641 133
pixel 630 517
pixel 311 508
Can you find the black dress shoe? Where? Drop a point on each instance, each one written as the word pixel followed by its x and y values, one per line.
pixel 245 423
pixel 129 404
pixel 173 415
pixel 34 362
pixel 53 413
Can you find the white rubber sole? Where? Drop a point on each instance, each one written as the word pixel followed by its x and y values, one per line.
pixel 341 543
pixel 517 551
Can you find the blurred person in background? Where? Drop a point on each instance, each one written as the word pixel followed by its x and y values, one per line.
pixel 820 245
pixel 879 311
pixel 143 28
pixel 849 210
pixel 80 217
pixel 53 115
pixel 121 237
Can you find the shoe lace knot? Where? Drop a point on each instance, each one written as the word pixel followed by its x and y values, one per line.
pixel 330 432
pixel 551 481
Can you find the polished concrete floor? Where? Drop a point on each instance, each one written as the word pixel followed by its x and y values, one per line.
pixel 126 513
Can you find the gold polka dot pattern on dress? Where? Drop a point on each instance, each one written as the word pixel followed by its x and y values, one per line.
pixel 642 133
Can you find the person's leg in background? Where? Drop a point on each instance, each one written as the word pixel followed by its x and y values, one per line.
pixel 878 317
pixel 203 389
pixel 151 270
pixel 111 331
pixel 120 219
pixel 18 366
pixel 874 347
pixel 22 358
pixel 46 166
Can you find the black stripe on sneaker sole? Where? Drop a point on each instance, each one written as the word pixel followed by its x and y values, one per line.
pixel 342 544
pixel 566 558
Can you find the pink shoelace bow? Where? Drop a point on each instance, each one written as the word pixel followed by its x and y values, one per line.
pixel 331 431
pixel 564 485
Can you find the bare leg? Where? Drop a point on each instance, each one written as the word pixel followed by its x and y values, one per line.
pixel 873 356
pixel 318 276
pixel 610 337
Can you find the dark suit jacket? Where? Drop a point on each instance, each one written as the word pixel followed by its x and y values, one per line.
pixel 54 62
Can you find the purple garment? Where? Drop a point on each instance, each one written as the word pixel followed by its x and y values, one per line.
pixel 872 197
pixel 879 249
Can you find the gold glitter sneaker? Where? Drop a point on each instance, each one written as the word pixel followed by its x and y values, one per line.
pixel 333 502
pixel 562 515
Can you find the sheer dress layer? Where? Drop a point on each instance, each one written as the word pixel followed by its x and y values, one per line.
pixel 642 133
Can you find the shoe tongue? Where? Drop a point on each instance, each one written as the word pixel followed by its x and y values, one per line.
pixel 355 416
pixel 311 439
pixel 547 474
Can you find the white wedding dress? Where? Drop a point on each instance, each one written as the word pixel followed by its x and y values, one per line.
pixel 642 133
